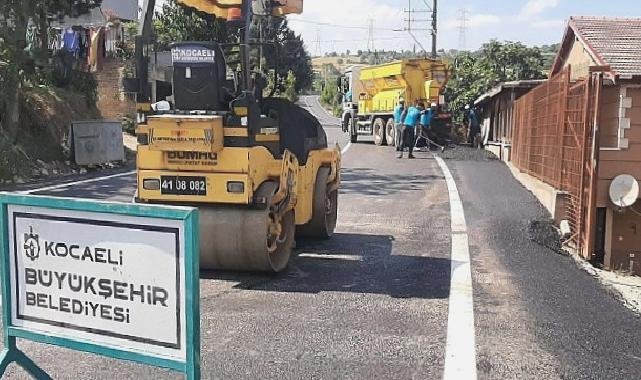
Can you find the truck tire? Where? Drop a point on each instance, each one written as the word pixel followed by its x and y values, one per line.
pixel 351 127
pixel 378 129
pixel 390 132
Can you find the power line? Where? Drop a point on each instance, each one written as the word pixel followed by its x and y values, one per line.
pixel 432 22
pixel 342 26
pixel 462 29
pixel 410 19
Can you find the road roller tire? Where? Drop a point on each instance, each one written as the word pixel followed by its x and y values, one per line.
pixel 240 239
pixel 379 131
pixel 324 210
pixel 390 132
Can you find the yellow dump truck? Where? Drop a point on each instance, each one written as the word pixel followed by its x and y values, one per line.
pixel 370 94
pixel 258 168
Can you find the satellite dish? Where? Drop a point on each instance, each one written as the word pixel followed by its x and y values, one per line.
pixel 624 190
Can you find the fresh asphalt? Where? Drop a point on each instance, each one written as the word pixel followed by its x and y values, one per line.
pixel 372 303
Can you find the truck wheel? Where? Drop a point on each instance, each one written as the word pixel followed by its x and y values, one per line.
pixel 390 132
pixel 353 133
pixel 379 132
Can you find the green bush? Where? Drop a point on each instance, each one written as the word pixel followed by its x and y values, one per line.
pixel 12 162
pixel 129 126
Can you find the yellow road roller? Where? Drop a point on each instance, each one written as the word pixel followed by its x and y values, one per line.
pixel 257 167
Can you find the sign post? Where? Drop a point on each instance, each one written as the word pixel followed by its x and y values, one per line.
pixel 118 280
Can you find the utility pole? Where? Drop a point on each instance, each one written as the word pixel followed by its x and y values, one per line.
pixel 462 29
pixel 433 23
pixel 434 27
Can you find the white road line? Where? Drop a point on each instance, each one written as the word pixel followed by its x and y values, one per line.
pixel 460 352
pixel 309 108
pixel 69 184
pixel 349 145
pixel 332 257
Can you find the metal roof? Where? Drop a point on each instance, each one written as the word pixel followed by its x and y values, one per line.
pixel 614 42
pixel 505 85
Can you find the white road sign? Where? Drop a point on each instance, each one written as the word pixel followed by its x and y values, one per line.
pixel 111 280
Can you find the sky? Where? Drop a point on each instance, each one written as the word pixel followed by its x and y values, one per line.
pixel 344 24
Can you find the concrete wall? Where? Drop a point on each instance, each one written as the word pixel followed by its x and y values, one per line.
pixel 580 60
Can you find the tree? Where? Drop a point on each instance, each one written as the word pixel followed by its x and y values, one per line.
pixel 291 55
pixel 177 23
pixel 496 62
pixel 290 87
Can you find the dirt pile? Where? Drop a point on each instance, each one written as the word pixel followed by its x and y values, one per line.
pixel 546 234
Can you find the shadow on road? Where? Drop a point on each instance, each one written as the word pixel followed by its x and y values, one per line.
pixel 370 183
pixel 352 263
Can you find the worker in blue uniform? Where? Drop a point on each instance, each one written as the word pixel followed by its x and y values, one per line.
pixel 409 127
pixel 398 123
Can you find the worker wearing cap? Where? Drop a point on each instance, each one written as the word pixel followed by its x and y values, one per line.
pixel 398 123
pixel 409 125
pixel 425 122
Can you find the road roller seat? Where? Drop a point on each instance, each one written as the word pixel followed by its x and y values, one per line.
pixel 200 77
pixel 300 131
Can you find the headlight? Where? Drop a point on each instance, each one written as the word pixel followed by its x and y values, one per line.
pixel 151 184
pixel 236 187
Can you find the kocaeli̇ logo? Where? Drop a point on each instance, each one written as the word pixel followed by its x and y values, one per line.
pixel 31 245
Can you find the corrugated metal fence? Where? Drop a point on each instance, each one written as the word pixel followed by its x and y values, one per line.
pixel 555 141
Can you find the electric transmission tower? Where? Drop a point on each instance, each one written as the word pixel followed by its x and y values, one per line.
pixel 370 36
pixel 432 22
pixel 462 29
pixel 317 43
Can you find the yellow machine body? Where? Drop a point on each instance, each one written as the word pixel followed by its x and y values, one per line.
pixel 413 79
pixel 180 146
pixel 253 193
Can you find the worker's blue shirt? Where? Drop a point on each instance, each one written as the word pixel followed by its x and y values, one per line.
pixel 426 117
pixel 474 119
pixel 413 114
pixel 398 112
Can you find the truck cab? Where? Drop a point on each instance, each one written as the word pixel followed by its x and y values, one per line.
pixel 350 88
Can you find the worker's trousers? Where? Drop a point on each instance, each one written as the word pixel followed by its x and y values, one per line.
pixel 398 136
pixel 408 139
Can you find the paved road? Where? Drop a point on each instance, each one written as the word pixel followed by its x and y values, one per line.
pixel 373 302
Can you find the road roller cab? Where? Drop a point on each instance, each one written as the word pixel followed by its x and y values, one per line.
pixel 259 170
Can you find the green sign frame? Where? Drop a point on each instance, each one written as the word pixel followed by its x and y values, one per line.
pixel 188 216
